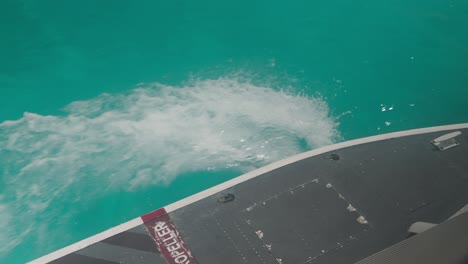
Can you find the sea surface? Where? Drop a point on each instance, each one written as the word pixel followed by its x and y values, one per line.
pixel 110 109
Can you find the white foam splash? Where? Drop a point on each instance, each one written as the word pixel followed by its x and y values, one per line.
pixel 150 136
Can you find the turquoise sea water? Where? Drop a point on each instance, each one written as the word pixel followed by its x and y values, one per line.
pixel 110 109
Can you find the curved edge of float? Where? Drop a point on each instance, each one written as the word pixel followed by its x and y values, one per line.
pixel 235 181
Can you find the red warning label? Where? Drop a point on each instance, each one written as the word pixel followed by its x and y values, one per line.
pixel 169 241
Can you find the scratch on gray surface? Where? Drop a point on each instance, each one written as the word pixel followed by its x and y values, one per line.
pixel 362 220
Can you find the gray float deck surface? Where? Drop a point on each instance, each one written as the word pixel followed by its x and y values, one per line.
pixel 318 210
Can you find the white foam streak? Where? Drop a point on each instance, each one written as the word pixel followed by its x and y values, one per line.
pixel 150 136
